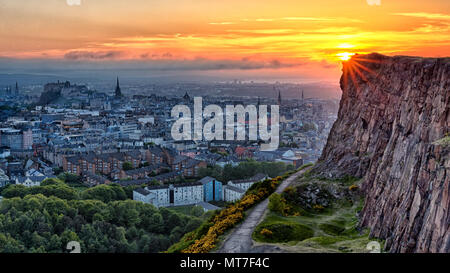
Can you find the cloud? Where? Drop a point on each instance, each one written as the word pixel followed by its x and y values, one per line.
pixel 308 19
pixel 221 23
pixel 73 2
pixel 92 55
pixel 202 64
pixel 436 16
pixel 374 2
pixel 142 65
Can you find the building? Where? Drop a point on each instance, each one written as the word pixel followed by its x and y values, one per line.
pixel 235 189
pixel 11 138
pixel 170 195
pixel 232 193
pixel 118 91
pixel 279 98
pixel 212 189
pixel 16 139
pixel 103 163
pixel 142 172
pixel 142 195
pixel 5 152
pixel 191 167
pixel 245 184
pixel 31 181
pixel 4 179
pixel 92 179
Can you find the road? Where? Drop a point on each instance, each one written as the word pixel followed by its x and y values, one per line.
pixel 240 240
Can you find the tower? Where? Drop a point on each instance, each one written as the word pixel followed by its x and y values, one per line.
pixel 118 91
pixel 186 97
pixel 303 95
pixel 279 97
pixel 17 89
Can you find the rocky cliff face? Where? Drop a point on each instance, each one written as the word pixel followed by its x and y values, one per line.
pixel 393 130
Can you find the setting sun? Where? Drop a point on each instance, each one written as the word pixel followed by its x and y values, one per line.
pixel 345 56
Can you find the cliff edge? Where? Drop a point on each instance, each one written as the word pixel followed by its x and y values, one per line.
pixel 393 131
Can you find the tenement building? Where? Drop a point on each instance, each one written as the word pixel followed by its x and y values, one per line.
pixel 170 195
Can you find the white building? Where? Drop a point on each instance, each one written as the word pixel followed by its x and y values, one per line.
pixel 245 184
pixel 171 195
pixel 235 189
pixel 31 181
pixel 232 193
pixel 142 195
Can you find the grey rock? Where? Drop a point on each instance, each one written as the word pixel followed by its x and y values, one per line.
pixel 392 113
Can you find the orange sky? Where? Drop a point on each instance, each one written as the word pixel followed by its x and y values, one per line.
pixel 289 35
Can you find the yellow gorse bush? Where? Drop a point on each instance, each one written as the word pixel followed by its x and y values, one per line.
pixel 266 232
pixel 318 207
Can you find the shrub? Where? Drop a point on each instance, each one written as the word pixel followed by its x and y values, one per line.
pixel 318 208
pixel 284 232
pixel 276 203
pixel 266 232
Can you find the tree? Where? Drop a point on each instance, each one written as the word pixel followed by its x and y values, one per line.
pixel 276 203
pixel 51 181
pixel 173 221
pixel 127 166
pixel 197 211
pixel 103 193
pixel 15 191
pixel 58 171
pixel 40 223
pixel 70 178
pixel 9 244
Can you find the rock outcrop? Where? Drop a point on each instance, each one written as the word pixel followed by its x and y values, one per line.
pixel 392 130
pixel 51 93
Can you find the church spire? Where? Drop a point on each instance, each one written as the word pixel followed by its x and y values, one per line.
pixel 279 97
pixel 118 92
pixel 186 97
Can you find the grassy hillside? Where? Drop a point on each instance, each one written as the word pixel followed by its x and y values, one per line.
pixel 315 215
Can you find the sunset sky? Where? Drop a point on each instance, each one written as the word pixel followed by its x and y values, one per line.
pixel 304 39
